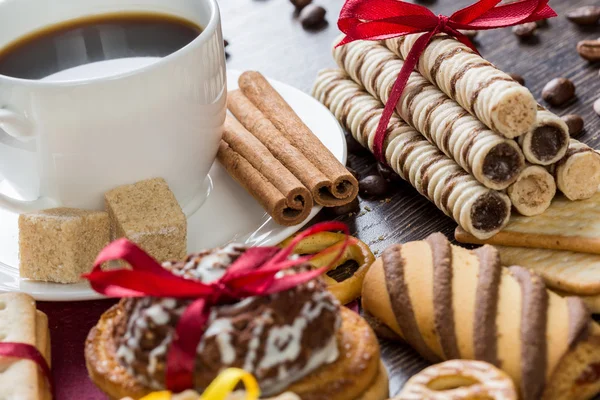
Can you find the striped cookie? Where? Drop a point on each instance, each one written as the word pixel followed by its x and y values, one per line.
pixel 477 85
pixel 479 210
pixel 492 159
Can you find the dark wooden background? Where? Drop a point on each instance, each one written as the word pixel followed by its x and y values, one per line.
pixel 265 35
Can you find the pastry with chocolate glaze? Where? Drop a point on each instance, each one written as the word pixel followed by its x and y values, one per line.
pixel 299 340
pixel 452 303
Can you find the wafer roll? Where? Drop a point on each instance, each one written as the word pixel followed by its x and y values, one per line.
pixel 577 174
pixel 477 85
pixel 451 303
pixel 547 141
pixel 533 191
pixel 251 164
pixel 341 187
pixel 479 210
pixel 492 159
pixel 22 379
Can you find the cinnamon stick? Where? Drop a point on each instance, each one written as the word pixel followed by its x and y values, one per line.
pixel 340 187
pixel 251 164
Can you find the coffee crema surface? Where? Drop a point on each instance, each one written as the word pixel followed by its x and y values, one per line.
pixel 94 39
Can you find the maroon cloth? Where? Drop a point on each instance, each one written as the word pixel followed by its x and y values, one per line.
pixel 69 325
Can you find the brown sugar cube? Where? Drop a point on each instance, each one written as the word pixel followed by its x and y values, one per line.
pixel 148 214
pixel 60 244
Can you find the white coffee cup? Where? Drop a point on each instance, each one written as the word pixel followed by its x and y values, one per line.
pixel 68 139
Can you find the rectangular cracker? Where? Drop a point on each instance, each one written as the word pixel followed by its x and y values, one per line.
pixel 574 273
pixel 566 225
pixel 21 322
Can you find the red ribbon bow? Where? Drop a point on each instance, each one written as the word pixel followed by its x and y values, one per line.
pixel 386 19
pixel 26 351
pixel 252 274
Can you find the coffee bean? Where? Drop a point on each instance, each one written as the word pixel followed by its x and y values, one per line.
pixel 589 49
pixel 353 146
pixel 300 4
pixel 469 33
pixel 518 78
pixel 558 91
pixel 587 15
pixel 353 206
pixel 575 124
pixel 372 186
pixel 526 30
pixel 354 173
pixel 597 106
pixel 387 173
pixel 312 16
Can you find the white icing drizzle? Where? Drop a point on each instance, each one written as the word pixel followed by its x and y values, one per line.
pixel 221 329
pixel 325 355
pixel 250 359
pixel 157 314
pixel 209 266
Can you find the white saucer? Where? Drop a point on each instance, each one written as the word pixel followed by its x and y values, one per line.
pixel 228 214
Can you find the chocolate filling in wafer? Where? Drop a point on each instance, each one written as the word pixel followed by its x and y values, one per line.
pixel 547 141
pixel 502 163
pixel 489 212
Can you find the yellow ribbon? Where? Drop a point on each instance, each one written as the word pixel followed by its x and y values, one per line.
pixel 222 386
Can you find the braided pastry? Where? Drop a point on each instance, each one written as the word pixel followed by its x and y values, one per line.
pixel 479 210
pixel 451 303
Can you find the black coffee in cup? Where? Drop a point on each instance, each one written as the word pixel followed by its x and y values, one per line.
pixel 94 39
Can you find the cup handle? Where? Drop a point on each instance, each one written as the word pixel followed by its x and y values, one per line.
pixel 17 126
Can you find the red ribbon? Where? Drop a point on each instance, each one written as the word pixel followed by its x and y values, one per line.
pixel 252 274
pixel 28 352
pixel 386 19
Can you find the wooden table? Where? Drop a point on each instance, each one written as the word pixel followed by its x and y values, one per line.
pixel 265 35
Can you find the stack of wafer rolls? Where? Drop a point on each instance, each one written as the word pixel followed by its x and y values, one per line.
pixel 502 104
pixel 477 85
pixel 450 303
pixel 269 151
pixel 494 160
pixel 20 322
pixel 479 210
